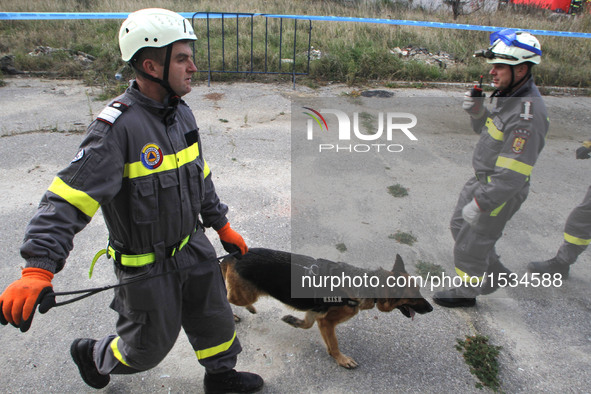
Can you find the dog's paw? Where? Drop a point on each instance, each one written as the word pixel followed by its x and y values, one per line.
pixel 237 318
pixel 292 320
pixel 346 361
pixel 251 309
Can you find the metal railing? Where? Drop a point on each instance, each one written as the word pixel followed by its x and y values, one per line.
pixel 234 44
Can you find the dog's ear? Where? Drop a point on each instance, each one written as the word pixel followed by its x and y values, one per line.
pixel 398 264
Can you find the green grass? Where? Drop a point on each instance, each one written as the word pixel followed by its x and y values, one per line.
pixel 481 357
pixel 403 238
pixel 398 190
pixel 425 269
pixel 353 53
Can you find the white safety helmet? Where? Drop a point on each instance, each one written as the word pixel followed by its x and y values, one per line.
pixel 152 27
pixel 512 47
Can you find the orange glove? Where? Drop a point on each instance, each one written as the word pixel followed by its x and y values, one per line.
pixel 20 299
pixel 231 240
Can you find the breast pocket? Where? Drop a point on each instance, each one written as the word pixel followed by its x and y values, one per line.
pixel 196 186
pixel 144 201
pixel 168 193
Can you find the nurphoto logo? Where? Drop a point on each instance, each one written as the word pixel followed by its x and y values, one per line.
pixel 390 125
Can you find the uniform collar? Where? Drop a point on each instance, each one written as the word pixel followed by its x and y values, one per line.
pixel 157 108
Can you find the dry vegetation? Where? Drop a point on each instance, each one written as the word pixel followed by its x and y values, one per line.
pixel 350 52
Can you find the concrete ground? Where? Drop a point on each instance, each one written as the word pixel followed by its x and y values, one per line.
pixel 247 135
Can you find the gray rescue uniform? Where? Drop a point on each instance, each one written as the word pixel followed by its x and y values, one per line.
pixel 511 138
pixel 142 165
pixel 577 232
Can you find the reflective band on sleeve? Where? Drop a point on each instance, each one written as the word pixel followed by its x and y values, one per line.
pixel 467 278
pixel 576 241
pixel 514 165
pixel 116 351
pixel 206 170
pixel 493 131
pixel 169 162
pixel 212 351
pixel 498 209
pixel 77 198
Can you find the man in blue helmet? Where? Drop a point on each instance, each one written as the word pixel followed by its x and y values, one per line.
pixel 141 162
pixel 512 136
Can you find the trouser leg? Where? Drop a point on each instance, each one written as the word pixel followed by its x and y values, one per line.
pixel 577 232
pixel 474 249
pixel 466 195
pixel 207 317
pixel 149 321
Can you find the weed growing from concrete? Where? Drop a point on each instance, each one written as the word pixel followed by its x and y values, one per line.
pixel 398 190
pixel 403 238
pixel 481 357
pixel 425 268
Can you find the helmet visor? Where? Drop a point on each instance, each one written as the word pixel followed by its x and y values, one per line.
pixel 509 37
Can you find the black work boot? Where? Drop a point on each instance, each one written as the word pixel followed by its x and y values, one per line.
pixel 552 266
pixel 497 277
pixel 455 297
pixel 81 351
pixel 232 382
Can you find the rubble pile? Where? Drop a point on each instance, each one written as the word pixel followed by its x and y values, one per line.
pixel 79 56
pixel 411 52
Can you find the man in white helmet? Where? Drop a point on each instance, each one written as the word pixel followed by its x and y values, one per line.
pixel 512 136
pixel 141 162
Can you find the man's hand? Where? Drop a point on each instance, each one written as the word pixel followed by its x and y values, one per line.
pixel 20 299
pixel 471 212
pixel 474 103
pixel 583 151
pixel 232 241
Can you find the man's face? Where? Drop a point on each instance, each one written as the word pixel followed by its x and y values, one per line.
pixel 501 75
pixel 181 67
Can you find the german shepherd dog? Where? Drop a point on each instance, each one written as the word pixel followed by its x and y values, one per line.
pixel 269 272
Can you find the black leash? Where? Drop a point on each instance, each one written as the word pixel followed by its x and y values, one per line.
pixel 89 292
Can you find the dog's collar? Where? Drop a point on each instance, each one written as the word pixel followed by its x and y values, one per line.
pixel 338 301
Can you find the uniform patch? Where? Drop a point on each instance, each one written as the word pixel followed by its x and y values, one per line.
pixel 498 123
pixel 151 156
pixel 110 114
pixel 78 156
pixel 526 111
pixel 520 140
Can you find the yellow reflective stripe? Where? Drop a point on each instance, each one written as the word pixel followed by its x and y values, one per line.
pixel 212 351
pixel 496 211
pixel 493 131
pixel 188 155
pixel 116 351
pixel 133 260
pixel 77 198
pixel 169 162
pixel 467 278
pixel 576 241
pixel 94 260
pixel 514 165
pixel 138 260
pixel 206 170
